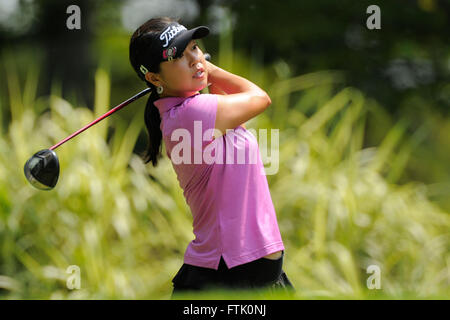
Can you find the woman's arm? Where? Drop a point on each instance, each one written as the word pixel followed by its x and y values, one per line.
pixel 214 89
pixel 244 99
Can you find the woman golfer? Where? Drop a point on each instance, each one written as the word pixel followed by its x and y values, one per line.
pixel 237 240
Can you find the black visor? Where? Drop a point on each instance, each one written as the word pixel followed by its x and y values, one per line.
pixel 170 44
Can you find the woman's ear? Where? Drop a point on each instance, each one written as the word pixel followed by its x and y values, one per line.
pixel 153 78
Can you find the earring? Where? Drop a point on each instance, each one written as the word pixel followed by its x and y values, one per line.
pixel 159 90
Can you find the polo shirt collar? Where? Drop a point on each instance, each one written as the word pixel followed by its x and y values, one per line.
pixel 165 104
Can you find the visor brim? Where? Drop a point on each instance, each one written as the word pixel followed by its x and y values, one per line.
pixel 181 41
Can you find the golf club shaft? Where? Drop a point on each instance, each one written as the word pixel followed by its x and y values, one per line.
pixel 117 108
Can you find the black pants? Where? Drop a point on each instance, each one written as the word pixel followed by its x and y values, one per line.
pixel 261 273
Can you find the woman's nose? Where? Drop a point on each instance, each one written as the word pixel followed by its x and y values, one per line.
pixel 194 58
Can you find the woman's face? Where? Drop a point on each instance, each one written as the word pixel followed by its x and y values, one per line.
pixel 186 75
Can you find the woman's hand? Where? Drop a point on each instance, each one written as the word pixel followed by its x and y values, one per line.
pixel 212 87
pixel 210 68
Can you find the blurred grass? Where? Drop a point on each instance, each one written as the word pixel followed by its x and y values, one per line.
pixel 340 205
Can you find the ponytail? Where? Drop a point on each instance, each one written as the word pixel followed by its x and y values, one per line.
pixel 153 122
pixel 139 57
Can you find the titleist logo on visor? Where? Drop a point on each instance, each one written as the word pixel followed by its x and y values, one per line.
pixel 170 33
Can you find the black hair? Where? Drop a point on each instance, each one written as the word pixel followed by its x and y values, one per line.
pixel 139 55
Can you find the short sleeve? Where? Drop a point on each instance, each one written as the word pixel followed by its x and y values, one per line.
pixel 198 116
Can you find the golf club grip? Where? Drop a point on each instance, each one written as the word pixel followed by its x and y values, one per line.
pixel 117 108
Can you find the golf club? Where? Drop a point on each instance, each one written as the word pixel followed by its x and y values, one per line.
pixel 42 169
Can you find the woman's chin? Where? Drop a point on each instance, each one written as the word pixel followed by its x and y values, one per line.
pixel 199 88
pixel 203 86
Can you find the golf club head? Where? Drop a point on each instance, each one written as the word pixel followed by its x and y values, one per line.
pixel 42 169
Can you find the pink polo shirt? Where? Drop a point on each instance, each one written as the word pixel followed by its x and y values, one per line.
pixel 223 182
